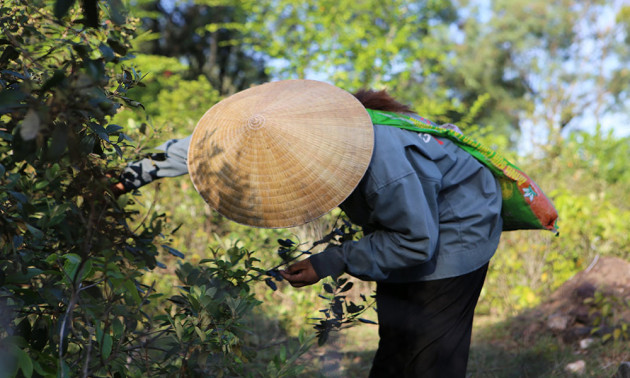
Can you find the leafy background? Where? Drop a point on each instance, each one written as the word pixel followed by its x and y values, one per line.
pixel 154 283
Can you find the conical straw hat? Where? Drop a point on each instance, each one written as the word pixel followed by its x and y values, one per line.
pixel 281 154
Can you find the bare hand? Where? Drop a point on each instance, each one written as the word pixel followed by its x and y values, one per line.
pixel 118 189
pixel 300 274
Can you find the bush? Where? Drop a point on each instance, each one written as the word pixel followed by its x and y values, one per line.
pixel 587 178
pixel 74 298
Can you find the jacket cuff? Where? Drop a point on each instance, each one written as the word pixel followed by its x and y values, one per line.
pixel 329 262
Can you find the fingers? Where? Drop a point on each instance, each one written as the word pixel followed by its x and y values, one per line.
pixel 298 266
pixel 295 279
pixel 118 188
pixel 300 274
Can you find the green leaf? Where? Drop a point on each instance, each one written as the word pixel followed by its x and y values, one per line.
pixel 111 129
pixel 328 288
pixel 62 7
pixel 107 346
pixel 286 242
pixel 353 308
pixel 11 99
pixel 322 338
pixel 118 328
pixel 40 370
pixel 37 234
pixel 71 265
pixel 87 144
pixel 6 136
pixel 173 251
pixel 115 14
pixel 201 335
pixel 271 284
pixel 283 354
pixel 55 80
pixel 18 196
pixel 65 369
pixel 100 131
pixel 58 143
pixel 87 270
pixel 19 278
pixel 56 217
pixel 23 362
pixel 107 52
pixel 82 50
pixel 132 290
pixel 118 150
pixel 96 70
pixel 347 287
pixel 14 74
pixel 99 333
pixel 367 321
pixel 9 53
pixel 39 333
pixel 179 331
pixel 23 329
pixel 118 47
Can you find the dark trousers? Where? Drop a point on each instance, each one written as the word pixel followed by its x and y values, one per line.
pixel 425 327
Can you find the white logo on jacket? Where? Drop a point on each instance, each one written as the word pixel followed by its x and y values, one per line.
pixel 426 138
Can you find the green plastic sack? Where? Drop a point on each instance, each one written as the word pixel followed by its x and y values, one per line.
pixel 525 206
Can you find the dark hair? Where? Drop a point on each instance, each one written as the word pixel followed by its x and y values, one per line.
pixel 380 100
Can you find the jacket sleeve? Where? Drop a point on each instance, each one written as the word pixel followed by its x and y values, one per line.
pixel 406 215
pixel 170 163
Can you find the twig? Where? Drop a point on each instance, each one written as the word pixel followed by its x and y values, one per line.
pixel 66 319
pixel 307 252
pixel 595 260
pixel 94 284
pixel 155 199
pixel 256 277
pixel 87 354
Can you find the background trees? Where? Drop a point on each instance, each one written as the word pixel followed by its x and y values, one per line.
pixel 547 65
pixel 206 36
pixel 89 282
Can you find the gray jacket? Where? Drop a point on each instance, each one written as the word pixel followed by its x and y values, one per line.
pixel 429 210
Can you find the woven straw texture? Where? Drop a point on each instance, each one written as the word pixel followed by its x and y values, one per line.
pixel 281 154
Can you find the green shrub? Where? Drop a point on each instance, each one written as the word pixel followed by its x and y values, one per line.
pixel 76 298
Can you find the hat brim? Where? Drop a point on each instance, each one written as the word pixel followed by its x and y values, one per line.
pixel 281 154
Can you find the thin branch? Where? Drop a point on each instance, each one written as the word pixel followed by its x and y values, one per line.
pixel 88 351
pixel 153 203
pixel 67 319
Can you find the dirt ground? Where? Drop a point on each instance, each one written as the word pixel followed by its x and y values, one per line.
pixel 595 298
